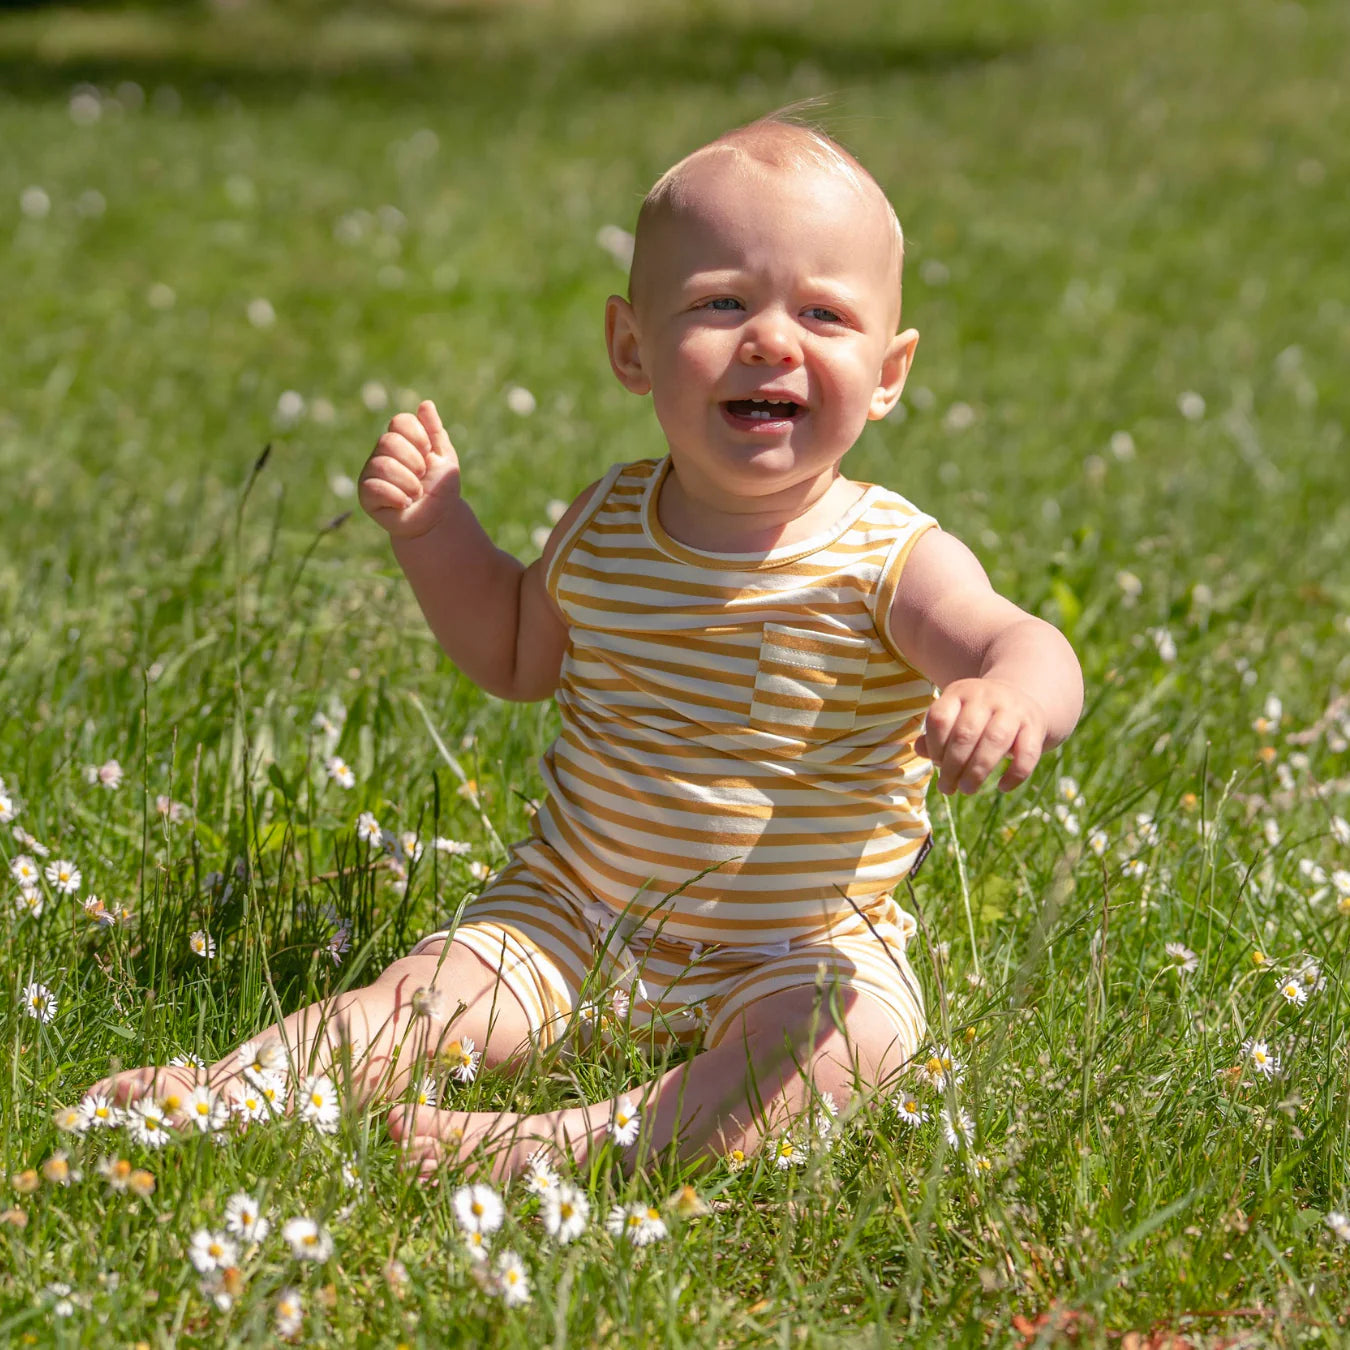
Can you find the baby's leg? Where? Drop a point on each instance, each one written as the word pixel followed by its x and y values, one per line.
pixel 376 1039
pixel 774 1058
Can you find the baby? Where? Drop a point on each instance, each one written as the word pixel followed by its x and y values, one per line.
pixel 746 648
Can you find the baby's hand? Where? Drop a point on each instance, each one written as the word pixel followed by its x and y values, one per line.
pixel 412 476
pixel 975 725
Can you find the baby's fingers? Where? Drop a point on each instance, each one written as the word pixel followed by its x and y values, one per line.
pixel 995 743
pixel 437 435
pixel 1026 753
pixel 410 451
pixel 387 482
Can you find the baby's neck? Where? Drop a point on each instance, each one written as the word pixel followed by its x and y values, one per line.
pixel 754 525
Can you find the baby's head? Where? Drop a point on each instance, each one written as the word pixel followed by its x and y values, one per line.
pixel 762 312
pixel 771 148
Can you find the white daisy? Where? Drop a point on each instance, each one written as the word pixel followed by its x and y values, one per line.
pixel 244 1217
pixel 1098 841
pixel 340 772
pixel 1310 974
pixel 1146 828
pixel 70 1120
pixel 540 1177
pixel 1263 1060
pixel 787 1153
pixel 426 1092
pixel 461 1059
pixel 146 1123
pixel 203 944
pixel 1183 958
pixel 308 1241
pixel 640 1224
pixel 271 1087
pixel 99 1112
pixel 255 1057
pixel 38 1001
pixel 565 1211
pixel 959 1129
pixel 512 1281
pixel 368 829
pixel 289 1315
pixel 8 810
pixel 909 1109
pixel 212 1251
pixel 247 1103
pixel 478 1209
pixel 24 870
pixel 479 871
pixel 27 840
pixel 63 876
pixel 109 775
pixel 319 1103
pixel 1294 991
pixel 624 1122
pixel 29 903
pixel 452 847
pixel 476 1245
pixel 1339 1224
pixel 207 1111
pixel 939 1067
pixel 1340 830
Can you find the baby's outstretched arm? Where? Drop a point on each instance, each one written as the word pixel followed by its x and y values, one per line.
pixel 1011 685
pixel 491 614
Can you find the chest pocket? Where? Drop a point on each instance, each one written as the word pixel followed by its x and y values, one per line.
pixel 807 684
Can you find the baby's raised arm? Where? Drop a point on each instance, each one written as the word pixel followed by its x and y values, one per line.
pixel 1011 685
pixel 491 614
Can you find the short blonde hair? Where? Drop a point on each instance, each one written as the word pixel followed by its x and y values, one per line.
pixel 775 141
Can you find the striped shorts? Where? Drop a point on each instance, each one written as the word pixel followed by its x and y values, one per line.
pixel 572 960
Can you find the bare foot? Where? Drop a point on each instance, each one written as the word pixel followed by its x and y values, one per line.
pixel 501 1144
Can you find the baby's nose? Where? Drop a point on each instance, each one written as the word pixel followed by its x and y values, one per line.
pixel 769 340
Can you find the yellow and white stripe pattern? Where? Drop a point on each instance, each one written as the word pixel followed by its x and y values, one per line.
pixel 736 762
pixel 734 792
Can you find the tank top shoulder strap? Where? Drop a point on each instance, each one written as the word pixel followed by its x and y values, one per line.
pixel 620 481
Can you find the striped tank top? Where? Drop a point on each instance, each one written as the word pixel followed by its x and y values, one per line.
pixel 737 745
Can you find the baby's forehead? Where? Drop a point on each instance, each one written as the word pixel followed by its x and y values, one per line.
pixel 723 205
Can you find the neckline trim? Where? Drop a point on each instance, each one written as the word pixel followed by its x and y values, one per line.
pixel 740 562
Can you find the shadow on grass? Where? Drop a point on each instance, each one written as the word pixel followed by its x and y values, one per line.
pixel 478 54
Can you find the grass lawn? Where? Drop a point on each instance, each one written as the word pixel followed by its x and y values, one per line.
pixel 223 228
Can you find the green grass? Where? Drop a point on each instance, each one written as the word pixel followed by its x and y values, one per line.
pixel 1108 207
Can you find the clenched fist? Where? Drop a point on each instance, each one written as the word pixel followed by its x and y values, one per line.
pixel 411 479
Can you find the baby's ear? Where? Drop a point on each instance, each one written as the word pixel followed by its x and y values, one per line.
pixel 621 337
pixel 895 364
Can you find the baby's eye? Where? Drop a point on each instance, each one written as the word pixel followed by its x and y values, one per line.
pixel 724 303
pixel 823 314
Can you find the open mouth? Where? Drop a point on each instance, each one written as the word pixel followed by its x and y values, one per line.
pixel 764 410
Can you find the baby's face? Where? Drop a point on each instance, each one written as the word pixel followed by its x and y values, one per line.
pixel 764 317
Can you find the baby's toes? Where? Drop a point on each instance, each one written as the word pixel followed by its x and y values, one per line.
pixel 125 1087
